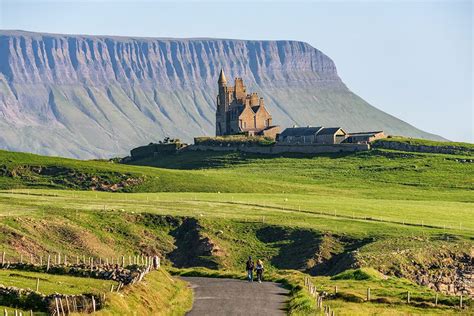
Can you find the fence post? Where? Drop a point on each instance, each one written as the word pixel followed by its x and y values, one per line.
pixel 5 312
pixel 93 303
pixel 3 261
pixel 408 297
pixel 436 299
pixel 58 312
pixel 67 306
pixel 335 289
pixel 49 262
pixel 460 302
pixel 62 307
pixel 37 284
pixel 368 294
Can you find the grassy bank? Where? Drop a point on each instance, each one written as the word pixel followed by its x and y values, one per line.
pixel 158 294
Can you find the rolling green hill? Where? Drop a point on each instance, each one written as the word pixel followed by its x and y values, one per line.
pixel 407 215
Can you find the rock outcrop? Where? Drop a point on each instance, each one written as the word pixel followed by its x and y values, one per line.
pixel 99 96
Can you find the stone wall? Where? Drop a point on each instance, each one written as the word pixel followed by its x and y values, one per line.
pixel 286 148
pixel 447 149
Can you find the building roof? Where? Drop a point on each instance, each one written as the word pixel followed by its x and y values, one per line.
pixel 300 131
pixel 329 130
pixel 365 133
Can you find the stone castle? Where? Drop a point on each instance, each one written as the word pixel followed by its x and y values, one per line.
pixel 241 113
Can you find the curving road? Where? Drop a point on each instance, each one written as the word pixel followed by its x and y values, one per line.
pixel 235 297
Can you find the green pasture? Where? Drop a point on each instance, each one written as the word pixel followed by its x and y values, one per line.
pixel 50 283
pixel 401 207
pixel 355 215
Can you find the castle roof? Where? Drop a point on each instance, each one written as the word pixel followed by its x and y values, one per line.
pixel 222 79
pixel 255 108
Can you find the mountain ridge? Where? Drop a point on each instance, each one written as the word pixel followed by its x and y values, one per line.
pixel 90 96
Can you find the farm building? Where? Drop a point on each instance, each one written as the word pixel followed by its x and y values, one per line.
pixel 312 135
pixel 331 135
pixel 363 137
pixel 298 135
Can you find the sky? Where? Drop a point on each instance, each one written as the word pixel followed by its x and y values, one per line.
pixel 412 59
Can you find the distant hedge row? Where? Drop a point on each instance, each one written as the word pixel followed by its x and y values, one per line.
pixel 153 149
pixel 234 141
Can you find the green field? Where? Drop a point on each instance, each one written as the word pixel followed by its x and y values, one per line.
pixel 49 283
pixel 403 214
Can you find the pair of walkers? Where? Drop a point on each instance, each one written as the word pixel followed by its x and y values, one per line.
pixel 250 267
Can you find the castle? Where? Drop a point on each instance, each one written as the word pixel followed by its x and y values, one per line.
pixel 241 113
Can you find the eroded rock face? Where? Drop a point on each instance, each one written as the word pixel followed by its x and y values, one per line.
pixel 100 96
pixel 446 268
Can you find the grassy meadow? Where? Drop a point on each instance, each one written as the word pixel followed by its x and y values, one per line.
pixel 50 283
pixel 395 212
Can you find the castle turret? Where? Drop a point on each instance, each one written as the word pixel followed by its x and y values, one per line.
pixel 222 80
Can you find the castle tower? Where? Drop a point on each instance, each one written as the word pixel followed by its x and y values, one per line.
pixel 222 105
pixel 222 96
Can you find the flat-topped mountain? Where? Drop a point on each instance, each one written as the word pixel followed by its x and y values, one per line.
pixel 98 96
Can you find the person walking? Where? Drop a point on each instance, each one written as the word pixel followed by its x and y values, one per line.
pixel 259 270
pixel 249 267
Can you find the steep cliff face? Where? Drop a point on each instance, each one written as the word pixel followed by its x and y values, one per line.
pixel 99 96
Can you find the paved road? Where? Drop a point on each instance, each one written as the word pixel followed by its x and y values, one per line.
pixel 235 297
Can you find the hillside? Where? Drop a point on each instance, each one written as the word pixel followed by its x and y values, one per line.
pixel 383 219
pixel 97 96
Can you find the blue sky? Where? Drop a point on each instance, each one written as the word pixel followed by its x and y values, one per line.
pixel 412 59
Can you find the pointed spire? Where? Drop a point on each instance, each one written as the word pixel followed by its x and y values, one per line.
pixel 222 80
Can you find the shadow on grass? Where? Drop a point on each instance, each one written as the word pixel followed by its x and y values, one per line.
pixel 192 160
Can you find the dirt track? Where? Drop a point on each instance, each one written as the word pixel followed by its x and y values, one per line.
pixel 234 297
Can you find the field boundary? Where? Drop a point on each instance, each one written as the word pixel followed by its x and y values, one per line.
pixel 62 304
pixel 326 214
